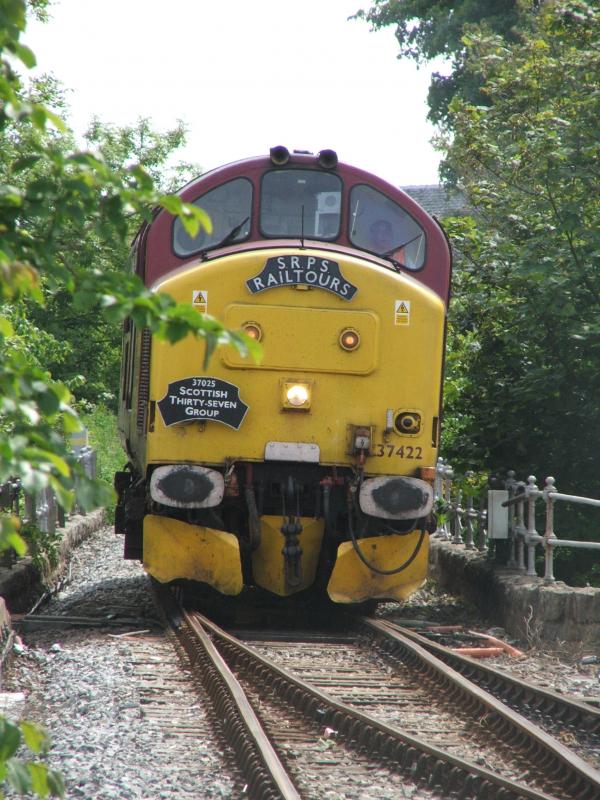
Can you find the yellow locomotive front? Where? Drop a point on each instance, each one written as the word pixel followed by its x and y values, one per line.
pixel 313 468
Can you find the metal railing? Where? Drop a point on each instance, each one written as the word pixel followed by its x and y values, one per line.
pixel 507 514
pixel 462 514
pixel 41 508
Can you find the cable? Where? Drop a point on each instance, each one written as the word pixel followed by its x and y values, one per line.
pixel 371 566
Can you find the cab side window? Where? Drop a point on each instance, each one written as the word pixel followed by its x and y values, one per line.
pixel 229 207
pixel 381 226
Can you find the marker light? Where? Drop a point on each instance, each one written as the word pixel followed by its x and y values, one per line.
pixel 296 395
pixel 408 422
pixel 253 330
pixel 349 339
pixel 427 474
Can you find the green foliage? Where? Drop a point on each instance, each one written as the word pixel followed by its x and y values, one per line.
pixel 519 119
pixel 152 150
pixel 88 357
pixel 26 777
pixel 524 346
pixel 527 294
pixel 43 547
pixel 66 217
pixel 101 424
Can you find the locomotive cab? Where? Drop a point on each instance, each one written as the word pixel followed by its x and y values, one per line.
pixel 313 467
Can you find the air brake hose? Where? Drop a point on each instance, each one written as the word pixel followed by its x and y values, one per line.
pixel 365 561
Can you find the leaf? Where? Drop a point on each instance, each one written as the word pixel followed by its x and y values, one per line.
pixel 39 779
pixel 71 421
pixel 92 494
pixel 64 496
pixel 10 739
pixel 39 117
pixel 172 204
pixel 14 541
pixel 6 329
pixel 47 401
pixel 25 162
pixel 253 348
pixel 10 196
pixel 25 54
pixel 18 776
pixel 55 783
pixel 59 464
pixel 193 218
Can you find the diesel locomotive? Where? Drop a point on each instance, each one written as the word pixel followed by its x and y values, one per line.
pixel 311 469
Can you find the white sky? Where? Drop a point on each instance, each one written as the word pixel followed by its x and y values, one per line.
pixel 244 75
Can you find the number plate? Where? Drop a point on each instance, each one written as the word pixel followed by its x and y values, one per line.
pixel 408 451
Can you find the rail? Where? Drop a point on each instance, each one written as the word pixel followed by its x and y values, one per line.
pixel 477 519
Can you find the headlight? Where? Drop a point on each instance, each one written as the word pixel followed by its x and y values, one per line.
pixel 296 395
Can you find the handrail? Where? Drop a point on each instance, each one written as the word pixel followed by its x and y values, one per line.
pixel 572 498
pixel 519 498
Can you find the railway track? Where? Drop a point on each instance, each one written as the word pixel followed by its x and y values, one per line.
pixel 320 709
pixel 561 716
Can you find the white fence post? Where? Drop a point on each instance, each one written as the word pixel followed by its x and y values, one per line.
pixel 549 534
pixel 520 529
pixel 457 514
pixel 532 493
pixel 511 486
pixel 438 493
pixel 470 515
pixel 448 475
pixel 482 526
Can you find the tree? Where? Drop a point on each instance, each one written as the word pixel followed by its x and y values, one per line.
pixel 426 29
pixel 524 357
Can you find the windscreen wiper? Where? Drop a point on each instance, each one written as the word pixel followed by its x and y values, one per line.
pixel 229 237
pixel 388 253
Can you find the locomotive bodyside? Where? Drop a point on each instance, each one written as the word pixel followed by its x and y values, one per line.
pixel 310 468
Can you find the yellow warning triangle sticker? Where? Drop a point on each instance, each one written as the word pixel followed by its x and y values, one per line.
pixel 199 297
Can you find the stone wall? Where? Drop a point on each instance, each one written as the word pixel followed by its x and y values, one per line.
pixel 21 584
pixel 527 608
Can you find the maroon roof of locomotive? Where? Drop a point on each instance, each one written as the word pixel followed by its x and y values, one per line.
pixel 155 257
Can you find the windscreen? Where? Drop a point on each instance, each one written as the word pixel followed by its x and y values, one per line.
pixel 229 207
pixel 300 203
